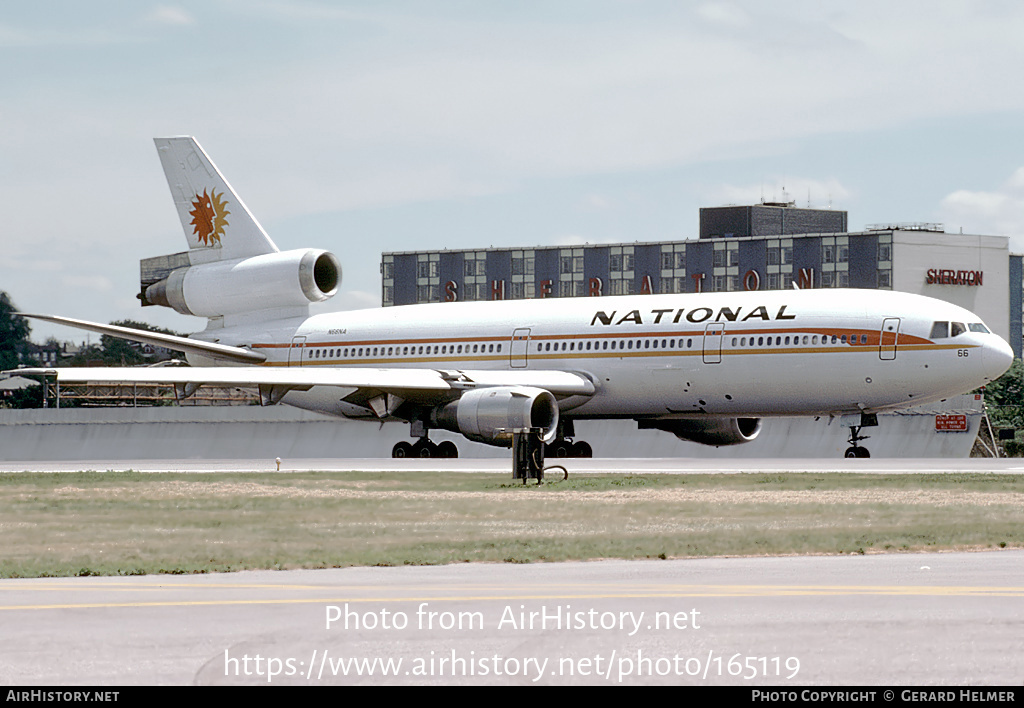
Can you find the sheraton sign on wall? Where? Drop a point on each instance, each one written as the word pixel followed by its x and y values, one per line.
pixel 937 276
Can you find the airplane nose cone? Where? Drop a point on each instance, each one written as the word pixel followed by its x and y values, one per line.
pixel 997 357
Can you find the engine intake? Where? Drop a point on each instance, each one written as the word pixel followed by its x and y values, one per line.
pixel 491 415
pixel 286 279
pixel 710 431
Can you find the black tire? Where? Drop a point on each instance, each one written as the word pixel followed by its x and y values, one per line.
pixel 581 448
pixel 401 450
pixel 852 452
pixel 447 450
pixel 559 449
pixel 424 449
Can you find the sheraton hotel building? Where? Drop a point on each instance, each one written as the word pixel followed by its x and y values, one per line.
pixel 767 246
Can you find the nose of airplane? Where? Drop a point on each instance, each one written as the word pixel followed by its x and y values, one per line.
pixel 997 356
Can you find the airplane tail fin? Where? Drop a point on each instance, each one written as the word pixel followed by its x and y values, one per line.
pixel 232 272
pixel 214 219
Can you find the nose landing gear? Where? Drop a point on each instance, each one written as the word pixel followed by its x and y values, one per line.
pixel 867 420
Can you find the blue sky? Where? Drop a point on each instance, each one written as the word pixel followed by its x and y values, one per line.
pixel 363 127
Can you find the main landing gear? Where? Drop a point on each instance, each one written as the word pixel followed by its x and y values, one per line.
pixel 867 420
pixel 423 448
pixel 562 448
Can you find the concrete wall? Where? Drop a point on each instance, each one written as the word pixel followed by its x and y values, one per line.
pixel 281 431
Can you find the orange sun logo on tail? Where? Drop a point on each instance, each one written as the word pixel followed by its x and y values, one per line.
pixel 209 217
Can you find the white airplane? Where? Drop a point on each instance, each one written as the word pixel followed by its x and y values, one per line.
pixel 705 367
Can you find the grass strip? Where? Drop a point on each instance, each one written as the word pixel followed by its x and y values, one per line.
pixel 128 523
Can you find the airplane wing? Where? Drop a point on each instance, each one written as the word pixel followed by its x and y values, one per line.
pixel 361 386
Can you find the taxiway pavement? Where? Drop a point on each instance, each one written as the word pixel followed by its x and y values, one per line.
pixel 901 619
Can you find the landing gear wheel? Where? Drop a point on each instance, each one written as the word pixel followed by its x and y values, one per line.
pixel 447 450
pixel 559 448
pixel 424 449
pixel 582 449
pixel 401 450
pixel 857 452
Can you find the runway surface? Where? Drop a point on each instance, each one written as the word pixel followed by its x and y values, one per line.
pixel 950 618
pixel 673 465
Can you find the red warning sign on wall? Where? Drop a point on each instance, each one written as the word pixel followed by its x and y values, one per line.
pixel 951 423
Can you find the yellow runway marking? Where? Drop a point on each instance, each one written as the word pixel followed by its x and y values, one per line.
pixel 709 591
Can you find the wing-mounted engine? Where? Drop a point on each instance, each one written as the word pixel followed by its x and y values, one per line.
pixel 490 415
pixel 229 287
pixel 710 431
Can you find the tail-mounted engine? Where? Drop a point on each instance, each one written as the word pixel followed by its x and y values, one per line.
pixel 491 415
pixel 710 431
pixel 274 280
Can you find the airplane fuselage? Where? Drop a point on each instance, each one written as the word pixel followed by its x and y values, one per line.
pixel 733 354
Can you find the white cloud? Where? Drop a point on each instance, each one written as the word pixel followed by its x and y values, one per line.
pixel 171 15
pixel 820 194
pixel 98 283
pixel 724 13
pixel 999 212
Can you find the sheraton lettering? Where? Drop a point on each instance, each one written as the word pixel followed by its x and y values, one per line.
pixel 937 276
pixel 696 315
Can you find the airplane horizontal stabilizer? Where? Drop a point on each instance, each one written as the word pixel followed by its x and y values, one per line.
pixel 170 341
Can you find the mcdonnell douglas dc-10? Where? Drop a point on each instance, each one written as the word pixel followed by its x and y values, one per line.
pixel 706 367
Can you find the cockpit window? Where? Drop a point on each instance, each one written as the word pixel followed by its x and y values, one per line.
pixel 957 328
pixel 940 330
pixel 978 327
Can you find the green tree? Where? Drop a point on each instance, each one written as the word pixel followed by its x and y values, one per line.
pixel 1004 398
pixel 14 331
pixel 122 352
pixel 114 351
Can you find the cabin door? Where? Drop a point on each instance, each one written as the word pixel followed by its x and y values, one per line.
pixel 519 348
pixel 296 351
pixel 887 340
pixel 713 343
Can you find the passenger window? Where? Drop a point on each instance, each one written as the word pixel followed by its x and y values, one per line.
pixel 843 339
pixel 956 329
pixel 940 330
